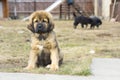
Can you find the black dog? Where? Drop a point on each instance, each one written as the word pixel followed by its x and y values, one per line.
pixel 92 20
pixel 95 22
pixel 82 20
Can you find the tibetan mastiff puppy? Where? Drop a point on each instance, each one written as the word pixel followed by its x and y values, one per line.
pixel 44 46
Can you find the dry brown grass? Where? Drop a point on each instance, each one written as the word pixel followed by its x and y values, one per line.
pixel 74 44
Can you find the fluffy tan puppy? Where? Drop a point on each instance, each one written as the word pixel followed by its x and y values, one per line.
pixel 44 46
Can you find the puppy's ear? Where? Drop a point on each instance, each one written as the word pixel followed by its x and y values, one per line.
pixel 50 26
pixel 31 28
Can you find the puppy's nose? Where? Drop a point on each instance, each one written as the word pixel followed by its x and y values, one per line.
pixel 39 26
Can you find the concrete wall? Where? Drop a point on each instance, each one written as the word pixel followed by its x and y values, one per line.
pixel 102 8
pixel 106 9
pixel 98 7
pixel 1 10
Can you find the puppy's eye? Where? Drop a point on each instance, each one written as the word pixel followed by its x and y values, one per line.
pixel 36 20
pixel 44 20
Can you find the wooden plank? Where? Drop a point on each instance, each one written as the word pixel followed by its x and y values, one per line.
pixel 5 9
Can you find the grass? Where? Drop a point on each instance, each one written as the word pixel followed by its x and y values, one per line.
pixel 74 44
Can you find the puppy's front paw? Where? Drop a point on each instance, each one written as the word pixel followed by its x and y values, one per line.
pixel 54 67
pixel 48 66
pixel 40 47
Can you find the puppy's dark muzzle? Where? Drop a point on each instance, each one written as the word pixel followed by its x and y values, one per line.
pixel 39 28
